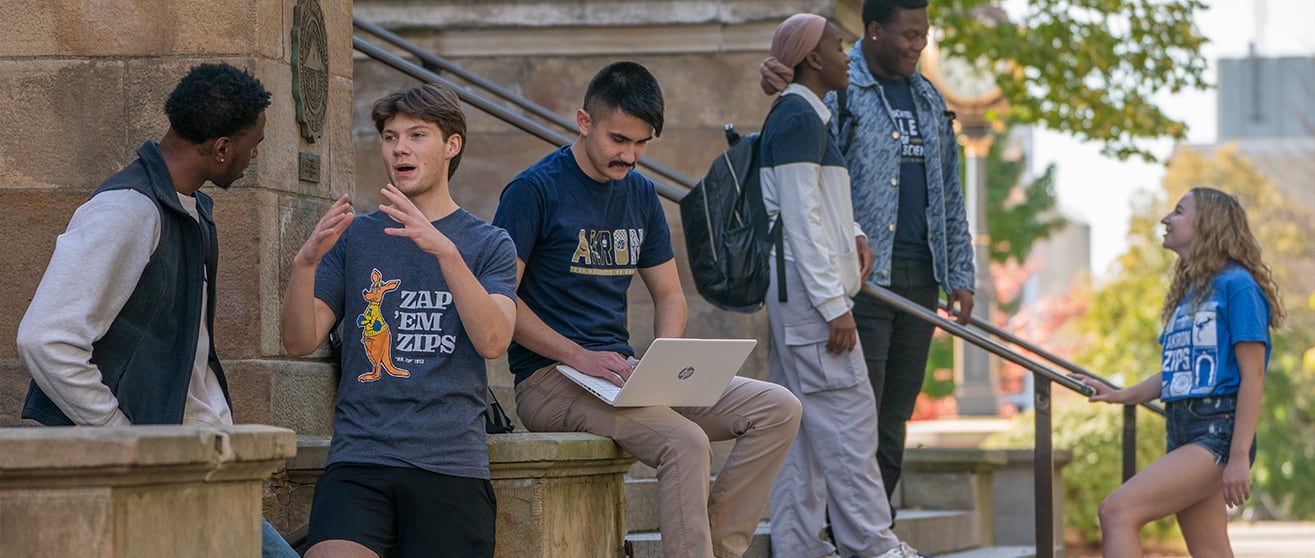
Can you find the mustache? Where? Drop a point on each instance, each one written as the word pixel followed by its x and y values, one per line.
pixel 623 164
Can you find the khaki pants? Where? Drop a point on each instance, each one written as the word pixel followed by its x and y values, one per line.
pixel 696 522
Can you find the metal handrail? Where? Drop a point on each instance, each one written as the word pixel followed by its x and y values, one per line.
pixel 1129 411
pixel 1030 347
pixel 1045 376
pixel 568 125
pixel 1043 451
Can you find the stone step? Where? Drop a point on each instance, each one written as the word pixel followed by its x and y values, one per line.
pixel 648 544
pixel 933 532
pixel 938 531
pixel 642 505
pixel 996 552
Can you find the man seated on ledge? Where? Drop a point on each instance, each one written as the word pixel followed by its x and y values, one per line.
pixel 428 289
pixel 584 223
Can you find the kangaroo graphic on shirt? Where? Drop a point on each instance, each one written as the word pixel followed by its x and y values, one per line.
pixel 375 336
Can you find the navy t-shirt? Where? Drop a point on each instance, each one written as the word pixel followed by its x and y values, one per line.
pixel 582 242
pixel 399 320
pixel 911 224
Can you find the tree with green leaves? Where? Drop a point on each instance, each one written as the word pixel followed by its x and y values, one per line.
pixel 1021 214
pixel 1086 67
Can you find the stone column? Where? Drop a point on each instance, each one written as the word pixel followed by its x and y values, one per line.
pixel 560 495
pixel 140 491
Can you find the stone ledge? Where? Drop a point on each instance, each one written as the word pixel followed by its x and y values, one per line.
pixel 945 460
pixel 80 450
pixel 554 454
pixel 1014 456
pixel 141 491
pixel 513 455
pixel 560 494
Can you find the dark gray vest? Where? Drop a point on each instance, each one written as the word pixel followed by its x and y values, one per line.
pixel 146 356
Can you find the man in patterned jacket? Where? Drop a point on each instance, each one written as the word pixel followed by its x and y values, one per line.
pixel 903 161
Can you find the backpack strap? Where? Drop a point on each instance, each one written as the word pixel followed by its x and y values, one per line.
pixel 777 233
pixel 845 124
pixel 778 238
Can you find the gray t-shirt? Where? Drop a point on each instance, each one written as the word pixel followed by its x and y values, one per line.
pixel 412 387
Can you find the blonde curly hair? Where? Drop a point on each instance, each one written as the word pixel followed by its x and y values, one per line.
pixel 1222 236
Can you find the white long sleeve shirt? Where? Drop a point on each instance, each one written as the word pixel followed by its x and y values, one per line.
pixel 805 182
pixel 92 273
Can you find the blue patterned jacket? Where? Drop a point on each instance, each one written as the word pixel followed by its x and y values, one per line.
pixel 872 155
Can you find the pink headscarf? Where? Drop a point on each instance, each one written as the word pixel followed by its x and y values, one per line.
pixel 794 39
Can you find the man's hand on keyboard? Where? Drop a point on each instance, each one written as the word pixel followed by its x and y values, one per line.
pixel 607 365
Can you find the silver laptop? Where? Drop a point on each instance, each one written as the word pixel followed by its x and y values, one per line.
pixel 673 373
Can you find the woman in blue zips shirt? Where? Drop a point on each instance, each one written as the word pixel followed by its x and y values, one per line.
pixel 1220 307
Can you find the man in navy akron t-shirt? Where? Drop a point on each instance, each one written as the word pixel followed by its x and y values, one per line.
pixel 425 291
pixel 584 223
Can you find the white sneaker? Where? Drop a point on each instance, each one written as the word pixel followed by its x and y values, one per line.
pixel 902 551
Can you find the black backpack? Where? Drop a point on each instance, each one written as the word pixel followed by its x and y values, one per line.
pixel 727 234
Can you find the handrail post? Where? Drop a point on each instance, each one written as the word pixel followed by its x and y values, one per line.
pixel 1129 441
pixel 1044 464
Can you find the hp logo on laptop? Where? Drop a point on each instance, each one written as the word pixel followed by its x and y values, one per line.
pixel 686 373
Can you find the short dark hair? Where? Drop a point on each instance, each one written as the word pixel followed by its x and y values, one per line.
pixel 215 101
pixel 629 87
pixel 431 102
pixel 881 11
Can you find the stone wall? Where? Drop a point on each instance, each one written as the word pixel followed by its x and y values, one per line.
pixel 82 85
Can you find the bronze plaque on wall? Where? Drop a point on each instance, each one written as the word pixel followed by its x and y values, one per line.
pixel 310 68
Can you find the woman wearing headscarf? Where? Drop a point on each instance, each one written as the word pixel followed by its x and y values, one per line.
pixel 831 469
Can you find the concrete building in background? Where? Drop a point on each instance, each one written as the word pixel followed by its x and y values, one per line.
pixel 1266 108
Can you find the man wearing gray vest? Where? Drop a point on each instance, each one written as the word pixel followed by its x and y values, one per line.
pixel 119 330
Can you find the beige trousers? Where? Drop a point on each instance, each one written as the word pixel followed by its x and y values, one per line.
pixel 697 521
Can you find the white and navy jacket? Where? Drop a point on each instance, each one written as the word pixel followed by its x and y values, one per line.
pixel 805 182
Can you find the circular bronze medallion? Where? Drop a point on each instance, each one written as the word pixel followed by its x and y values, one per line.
pixel 310 68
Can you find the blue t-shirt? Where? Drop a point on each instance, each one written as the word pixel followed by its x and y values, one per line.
pixel 582 242
pixel 911 223
pixel 399 320
pixel 1198 359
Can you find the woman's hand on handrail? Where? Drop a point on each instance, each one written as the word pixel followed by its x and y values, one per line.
pixel 1143 392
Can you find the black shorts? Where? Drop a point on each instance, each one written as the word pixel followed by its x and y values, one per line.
pixel 403 512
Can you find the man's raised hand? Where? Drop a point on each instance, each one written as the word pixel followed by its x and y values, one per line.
pixel 415 225
pixel 327 232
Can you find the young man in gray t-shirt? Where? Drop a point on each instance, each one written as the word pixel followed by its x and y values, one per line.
pixel 425 291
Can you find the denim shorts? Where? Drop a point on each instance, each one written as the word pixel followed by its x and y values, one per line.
pixel 1206 422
